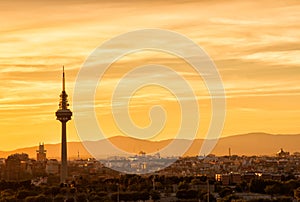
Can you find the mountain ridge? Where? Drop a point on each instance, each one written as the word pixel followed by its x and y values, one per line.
pixel 255 143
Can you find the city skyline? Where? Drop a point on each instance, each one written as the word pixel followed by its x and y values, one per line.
pixel 255 50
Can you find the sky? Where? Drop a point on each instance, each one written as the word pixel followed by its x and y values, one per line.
pixel 255 46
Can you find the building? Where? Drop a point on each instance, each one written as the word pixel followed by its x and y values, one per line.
pixel 229 179
pixel 282 153
pixel 52 167
pixel 63 114
pixel 2 168
pixel 17 167
pixel 41 153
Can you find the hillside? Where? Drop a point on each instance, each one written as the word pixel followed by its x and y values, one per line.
pixel 244 144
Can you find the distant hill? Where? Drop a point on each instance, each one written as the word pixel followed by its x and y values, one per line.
pixel 244 144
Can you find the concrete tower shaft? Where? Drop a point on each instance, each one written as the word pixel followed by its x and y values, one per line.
pixel 63 114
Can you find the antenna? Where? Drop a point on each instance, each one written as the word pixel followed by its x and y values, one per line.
pixel 63 84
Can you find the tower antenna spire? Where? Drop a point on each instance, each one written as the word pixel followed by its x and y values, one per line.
pixel 63 81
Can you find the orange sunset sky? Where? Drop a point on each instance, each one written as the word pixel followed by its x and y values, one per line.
pixel 255 46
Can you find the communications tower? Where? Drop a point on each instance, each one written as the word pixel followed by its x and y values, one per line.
pixel 63 114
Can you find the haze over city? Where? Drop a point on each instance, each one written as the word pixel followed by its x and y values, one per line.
pixel 256 52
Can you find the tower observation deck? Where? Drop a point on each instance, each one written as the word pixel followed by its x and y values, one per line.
pixel 63 114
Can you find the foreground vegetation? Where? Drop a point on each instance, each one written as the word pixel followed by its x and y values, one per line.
pixel 141 188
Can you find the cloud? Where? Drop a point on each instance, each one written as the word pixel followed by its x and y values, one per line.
pixel 276 57
pixel 254 44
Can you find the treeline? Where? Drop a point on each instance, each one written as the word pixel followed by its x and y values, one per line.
pixel 274 187
pixel 93 188
pixel 140 188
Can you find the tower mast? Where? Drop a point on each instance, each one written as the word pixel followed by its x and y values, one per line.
pixel 63 114
pixel 63 80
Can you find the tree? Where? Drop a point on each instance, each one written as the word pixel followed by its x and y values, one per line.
pixel 211 197
pixel 70 200
pixel 54 190
pixel 130 196
pixel 9 199
pixel 187 194
pixel 274 189
pixel 22 194
pixel 59 198
pixel 7 192
pixel 231 197
pixel 143 196
pixel 30 199
pixel 196 181
pixel 42 198
pixel 95 198
pixel 203 178
pixel 297 193
pixel 290 186
pixel 257 186
pixel 183 185
pixel 225 191
pixel 81 197
pixel 155 195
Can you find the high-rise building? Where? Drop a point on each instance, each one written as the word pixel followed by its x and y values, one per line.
pixel 63 114
pixel 52 166
pixel 41 153
pixel 17 167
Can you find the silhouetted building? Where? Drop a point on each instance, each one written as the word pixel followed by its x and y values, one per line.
pixel 17 167
pixel 63 114
pixel 38 168
pixel 41 153
pixel 282 153
pixel 2 168
pixel 229 179
pixel 52 167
